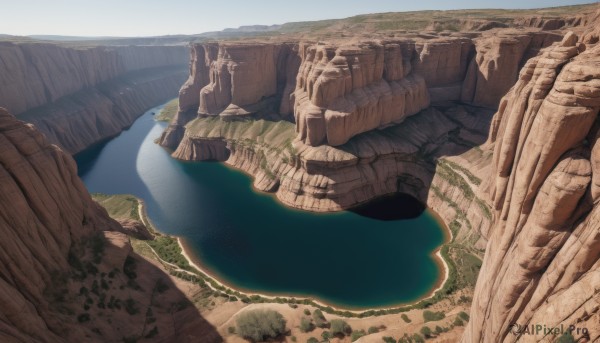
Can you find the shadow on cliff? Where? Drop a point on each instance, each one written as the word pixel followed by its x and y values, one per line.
pixel 391 207
pixel 186 322
pixel 451 129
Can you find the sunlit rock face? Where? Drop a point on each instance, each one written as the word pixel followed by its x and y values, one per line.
pixel 542 261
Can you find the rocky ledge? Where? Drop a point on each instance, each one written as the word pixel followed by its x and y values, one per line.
pixel 401 158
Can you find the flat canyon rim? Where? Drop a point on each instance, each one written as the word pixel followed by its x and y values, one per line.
pixel 250 241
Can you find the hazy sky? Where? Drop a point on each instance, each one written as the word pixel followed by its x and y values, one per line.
pixel 163 17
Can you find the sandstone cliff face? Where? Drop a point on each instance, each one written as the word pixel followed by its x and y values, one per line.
pixel 33 75
pixel 56 242
pixel 338 90
pixel 242 77
pixel 78 96
pixel 495 68
pixel 76 121
pixel 542 260
pixel 344 91
pixel 236 79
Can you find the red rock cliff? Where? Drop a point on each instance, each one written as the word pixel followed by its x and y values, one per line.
pixel 78 96
pixel 56 242
pixel 542 262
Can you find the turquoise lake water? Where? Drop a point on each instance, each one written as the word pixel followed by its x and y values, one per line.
pixel 351 259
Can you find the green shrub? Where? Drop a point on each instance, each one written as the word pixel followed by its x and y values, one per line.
pixel 152 332
pixel 458 322
pixel 429 316
pixel 259 325
pixel 426 331
pixel 405 318
pixel 340 327
pixel 168 249
pixel 312 340
pixel 464 316
pixel 83 318
pixel 357 334
pixel 373 329
pixel 566 338
pixel 231 329
pixel 161 286
pixel 326 335
pixel 97 242
pixel 417 338
pixel 307 312
pixel 464 299
pixel 129 268
pixel 306 324
pixel 319 318
pixel 388 339
pixel 130 307
pixel 438 329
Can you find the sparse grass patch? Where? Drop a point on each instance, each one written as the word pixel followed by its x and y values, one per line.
pixel 169 250
pixel 430 316
pixel 168 112
pixel 119 206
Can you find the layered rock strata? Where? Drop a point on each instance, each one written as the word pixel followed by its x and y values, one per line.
pixel 78 120
pixel 236 79
pixel 542 262
pixel 401 158
pixel 62 261
pixel 338 90
pixel 343 91
pixel 78 96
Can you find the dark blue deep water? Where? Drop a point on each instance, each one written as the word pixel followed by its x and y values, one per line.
pixel 249 240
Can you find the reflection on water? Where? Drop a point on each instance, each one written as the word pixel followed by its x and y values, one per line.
pixel 367 257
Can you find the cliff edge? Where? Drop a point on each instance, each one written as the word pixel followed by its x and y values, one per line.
pixel 542 261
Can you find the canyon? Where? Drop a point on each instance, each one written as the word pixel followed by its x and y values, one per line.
pixel 59 245
pixel 411 115
pixel 79 95
pixel 494 126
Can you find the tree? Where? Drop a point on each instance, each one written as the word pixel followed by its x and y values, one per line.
pixel 417 338
pixel 458 322
pixel 373 329
pixel 464 316
pixel 305 324
pixel 429 316
pixel 566 338
pixel 319 318
pixel 258 325
pixel 340 327
pixel 426 331
pixel 357 334
pixel 405 318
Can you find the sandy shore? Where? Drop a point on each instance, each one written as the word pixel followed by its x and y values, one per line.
pixel 185 251
pixel 439 260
